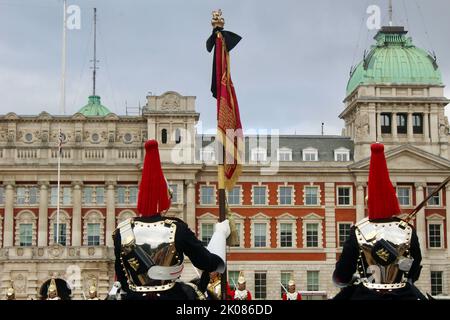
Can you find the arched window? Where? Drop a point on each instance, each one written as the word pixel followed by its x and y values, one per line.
pixel 164 136
pixel 93 229
pixel 124 215
pixel 26 233
pixel 64 228
pixel 177 135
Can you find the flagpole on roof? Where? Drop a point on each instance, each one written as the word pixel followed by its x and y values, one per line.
pixel 63 112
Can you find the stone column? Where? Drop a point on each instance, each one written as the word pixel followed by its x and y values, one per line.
pixel 420 218
pixel 379 138
pixel 372 122
pixel 426 128
pixel 190 204
pixel 330 221
pixel 43 214
pixel 434 124
pixel 410 132
pixel 394 125
pixel 8 227
pixel 76 214
pixel 110 212
pixel 360 202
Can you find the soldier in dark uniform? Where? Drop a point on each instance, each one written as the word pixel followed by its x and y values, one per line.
pixel 150 249
pixel 381 259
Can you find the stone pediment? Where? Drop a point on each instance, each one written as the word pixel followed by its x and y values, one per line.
pixel 79 116
pixel 407 157
pixel 112 117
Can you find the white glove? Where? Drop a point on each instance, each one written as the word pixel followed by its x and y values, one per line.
pixel 223 227
pixel 217 244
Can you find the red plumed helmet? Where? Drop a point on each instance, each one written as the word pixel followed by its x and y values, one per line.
pixel 382 198
pixel 153 197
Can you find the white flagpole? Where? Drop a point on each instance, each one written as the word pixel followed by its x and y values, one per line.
pixel 63 111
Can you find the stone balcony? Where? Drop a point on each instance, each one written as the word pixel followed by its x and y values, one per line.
pixel 83 253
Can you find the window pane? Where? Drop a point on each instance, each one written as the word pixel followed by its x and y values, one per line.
pixel 238 231
pixel 344 233
pixel 100 195
pixel 434 235
pixel 344 196
pixel 54 196
pixel 286 235
pixel 121 195
pixel 2 195
pixel 62 233
pixel 207 232
pixel 434 200
pixel 436 282
pixel 93 233
pixel 403 195
pixel 260 285
pixel 312 280
pixel 20 195
pixel 32 195
pixel 311 195
pixel 312 235
pixel 174 188
pixel 67 195
pixel 26 234
pixel 234 196
pixel 87 194
pixel 207 195
pixel 286 195
pixel 260 235
pixel 259 196
pixel 132 199
pixel 417 123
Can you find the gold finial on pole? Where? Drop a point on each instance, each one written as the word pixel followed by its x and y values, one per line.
pixel 217 20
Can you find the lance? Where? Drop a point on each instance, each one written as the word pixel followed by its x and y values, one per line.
pixel 284 288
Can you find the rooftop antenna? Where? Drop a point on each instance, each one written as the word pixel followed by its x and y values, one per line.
pixel 94 73
pixel 390 13
pixel 322 127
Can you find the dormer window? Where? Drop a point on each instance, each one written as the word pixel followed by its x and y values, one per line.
pixel 342 155
pixel 310 154
pixel 284 154
pixel 208 154
pixel 259 154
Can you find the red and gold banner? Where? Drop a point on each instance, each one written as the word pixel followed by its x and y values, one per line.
pixel 229 127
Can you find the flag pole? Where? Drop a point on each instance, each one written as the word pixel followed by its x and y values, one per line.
pixel 63 111
pixel 222 214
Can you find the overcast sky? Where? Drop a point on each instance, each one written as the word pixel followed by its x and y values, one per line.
pixel 290 70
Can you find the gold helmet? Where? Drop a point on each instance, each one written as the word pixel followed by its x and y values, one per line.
pixel 92 289
pixel 10 292
pixel 291 280
pixel 52 287
pixel 241 279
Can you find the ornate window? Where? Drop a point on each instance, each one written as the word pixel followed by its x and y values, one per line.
pixel 207 230
pixel 126 195
pixel 27 195
pixel 234 196
pixel 2 195
pixel 435 228
pixel 311 195
pixel 404 195
pixel 65 196
pixel 435 200
pixel 344 196
pixel 207 195
pixel 26 225
pixel 93 229
pixel 287 231
pixel 94 195
pixel 64 228
pixel 260 195
pixel 285 195
pixel 260 231
pixel 312 231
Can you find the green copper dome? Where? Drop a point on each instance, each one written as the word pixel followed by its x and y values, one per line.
pixel 94 108
pixel 395 60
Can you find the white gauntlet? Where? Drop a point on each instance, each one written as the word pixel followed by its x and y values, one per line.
pixel 217 244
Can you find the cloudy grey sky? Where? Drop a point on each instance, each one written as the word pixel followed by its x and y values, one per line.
pixel 290 70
